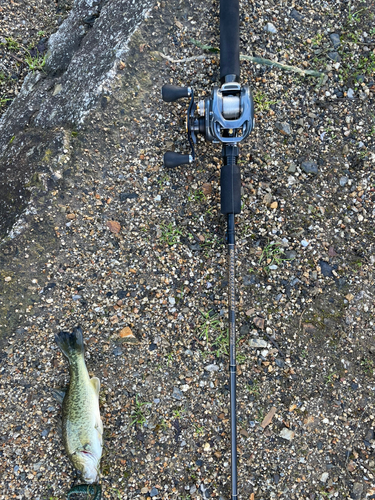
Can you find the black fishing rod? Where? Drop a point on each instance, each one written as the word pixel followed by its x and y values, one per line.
pixel 226 117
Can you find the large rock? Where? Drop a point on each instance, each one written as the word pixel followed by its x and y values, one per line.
pixel 82 61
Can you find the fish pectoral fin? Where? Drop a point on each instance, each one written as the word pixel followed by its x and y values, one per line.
pixel 95 382
pixel 59 395
pixel 99 427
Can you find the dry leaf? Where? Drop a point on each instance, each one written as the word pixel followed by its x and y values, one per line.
pixel 127 335
pixel 308 328
pixel 259 322
pixel 114 226
pixel 267 419
pixel 207 189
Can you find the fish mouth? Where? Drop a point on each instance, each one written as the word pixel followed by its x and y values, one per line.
pixel 89 472
pixel 87 453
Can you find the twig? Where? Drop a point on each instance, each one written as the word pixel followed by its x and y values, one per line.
pixel 300 319
pixel 186 59
pixel 275 344
pixel 286 67
pixel 17 58
pixel 255 60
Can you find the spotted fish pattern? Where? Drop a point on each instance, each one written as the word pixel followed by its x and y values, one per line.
pixel 82 428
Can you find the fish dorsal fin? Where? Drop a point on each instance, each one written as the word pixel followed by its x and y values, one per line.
pixel 95 382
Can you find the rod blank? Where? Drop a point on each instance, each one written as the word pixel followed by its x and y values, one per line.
pixel 229 41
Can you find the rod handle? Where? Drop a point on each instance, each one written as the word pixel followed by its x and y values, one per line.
pixel 172 159
pixel 230 183
pixel 171 93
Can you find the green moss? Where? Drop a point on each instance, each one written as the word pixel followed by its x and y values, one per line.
pixel 47 156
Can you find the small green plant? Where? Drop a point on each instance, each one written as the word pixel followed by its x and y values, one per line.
pixel 210 322
pixel 366 65
pixel 3 101
pixel 169 359
pixel 170 234
pixel 41 33
pixel 138 415
pixel 330 377
pixel 116 492
pixel 197 196
pixel 221 345
pixel 35 63
pixel 254 389
pixel 11 44
pixel 368 366
pixel 354 16
pixel 263 104
pixel 317 40
pixel 199 430
pixel 260 416
pixel 178 412
pixel 272 256
pixel 12 139
pixel 162 181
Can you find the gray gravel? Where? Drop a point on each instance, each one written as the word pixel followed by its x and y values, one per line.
pixel 135 255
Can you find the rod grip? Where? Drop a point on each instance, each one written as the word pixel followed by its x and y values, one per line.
pixel 230 183
pixel 172 159
pixel 229 40
pixel 171 93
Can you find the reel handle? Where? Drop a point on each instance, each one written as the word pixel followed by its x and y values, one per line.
pixel 171 93
pixel 172 159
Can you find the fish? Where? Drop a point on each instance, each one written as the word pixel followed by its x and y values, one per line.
pixel 82 427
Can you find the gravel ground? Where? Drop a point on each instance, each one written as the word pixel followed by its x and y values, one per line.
pixel 138 260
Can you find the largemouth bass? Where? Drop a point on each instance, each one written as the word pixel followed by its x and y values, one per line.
pixel 82 428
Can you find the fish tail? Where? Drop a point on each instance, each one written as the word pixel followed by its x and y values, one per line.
pixel 71 344
pixel 89 489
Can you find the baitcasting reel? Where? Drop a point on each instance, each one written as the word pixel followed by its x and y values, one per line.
pixel 226 117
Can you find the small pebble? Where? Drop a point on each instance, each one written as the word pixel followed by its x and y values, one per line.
pixel 310 167
pixel 324 477
pixel 294 14
pixel 343 181
pixel 270 28
pixel 335 39
pixel 211 368
pixel 287 434
pixel 350 94
pixel 257 343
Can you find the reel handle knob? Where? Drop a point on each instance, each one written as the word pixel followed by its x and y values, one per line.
pixel 172 159
pixel 171 93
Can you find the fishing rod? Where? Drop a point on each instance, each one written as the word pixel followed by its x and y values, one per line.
pixel 226 117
